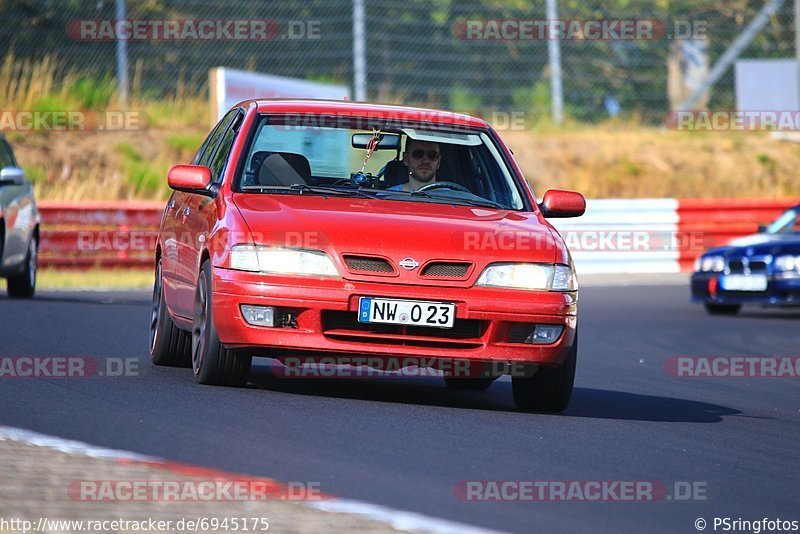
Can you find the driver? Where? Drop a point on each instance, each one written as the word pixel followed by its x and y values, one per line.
pixel 422 159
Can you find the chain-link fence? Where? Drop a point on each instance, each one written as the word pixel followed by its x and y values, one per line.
pixel 417 52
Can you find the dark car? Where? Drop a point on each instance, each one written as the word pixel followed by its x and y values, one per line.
pixel 761 269
pixel 19 226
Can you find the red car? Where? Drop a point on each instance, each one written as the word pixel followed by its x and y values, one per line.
pixel 376 235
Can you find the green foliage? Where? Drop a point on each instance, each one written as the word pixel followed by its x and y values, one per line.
pixel 92 93
pixel 35 173
pixel 463 100
pixel 185 142
pixel 127 150
pixel 145 177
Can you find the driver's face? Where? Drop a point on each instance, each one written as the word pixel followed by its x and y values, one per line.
pixel 418 158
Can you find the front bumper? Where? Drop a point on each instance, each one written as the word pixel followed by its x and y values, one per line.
pixel 781 291
pixel 488 320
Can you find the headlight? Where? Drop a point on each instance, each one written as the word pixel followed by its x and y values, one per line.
pixel 264 259
pixel 787 263
pixel 529 276
pixel 715 264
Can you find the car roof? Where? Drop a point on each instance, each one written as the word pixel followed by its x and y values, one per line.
pixel 377 111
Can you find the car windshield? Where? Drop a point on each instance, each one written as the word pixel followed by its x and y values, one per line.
pixel 355 157
pixel 787 223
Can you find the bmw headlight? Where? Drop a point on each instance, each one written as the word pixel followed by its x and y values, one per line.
pixel 264 259
pixel 787 263
pixel 714 264
pixel 540 276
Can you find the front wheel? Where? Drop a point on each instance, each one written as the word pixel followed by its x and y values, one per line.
pixel 23 285
pixel 549 389
pixel 212 363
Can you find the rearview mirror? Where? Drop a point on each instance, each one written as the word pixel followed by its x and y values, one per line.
pixel 12 176
pixel 190 179
pixel 385 141
pixel 562 204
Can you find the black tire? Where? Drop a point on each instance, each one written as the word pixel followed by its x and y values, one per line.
pixel 169 345
pixel 212 363
pixel 469 384
pixel 549 389
pixel 723 309
pixel 23 285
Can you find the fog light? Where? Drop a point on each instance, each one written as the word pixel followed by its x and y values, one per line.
pixel 259 315
pixel 544 334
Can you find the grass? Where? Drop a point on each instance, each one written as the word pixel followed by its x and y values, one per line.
pixel 92 278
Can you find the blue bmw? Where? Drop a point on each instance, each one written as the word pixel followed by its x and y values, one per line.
pixel 762 269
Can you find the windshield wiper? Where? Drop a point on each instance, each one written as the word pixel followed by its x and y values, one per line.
pixel 482 202
pixel 313 189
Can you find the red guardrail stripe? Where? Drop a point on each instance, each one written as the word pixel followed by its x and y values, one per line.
pixel 101 213
pixel 87 241
pixel 707 223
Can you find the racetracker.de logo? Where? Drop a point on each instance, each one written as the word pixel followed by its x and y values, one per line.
pixel 579 490
pixel 72 120
pixel 204 490
pixel 192 30
pixel 67 367
pixel 733 121
pixel 577 30
pixel 733 366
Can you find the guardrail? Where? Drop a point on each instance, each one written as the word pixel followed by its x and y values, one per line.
pixel 716 222
pixel 615 235
pixel 99 234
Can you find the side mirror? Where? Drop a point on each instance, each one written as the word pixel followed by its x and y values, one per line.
pixel 762 228
pixel 12 176
pixel 190 179
pixel 560 203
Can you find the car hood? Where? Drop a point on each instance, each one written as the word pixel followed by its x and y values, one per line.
pixel 761 245
pixel 397 229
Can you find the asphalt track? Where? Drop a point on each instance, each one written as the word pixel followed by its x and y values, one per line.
pixel 406 443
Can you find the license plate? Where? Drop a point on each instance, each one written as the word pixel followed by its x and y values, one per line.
pixel 406 312
pixel 744 282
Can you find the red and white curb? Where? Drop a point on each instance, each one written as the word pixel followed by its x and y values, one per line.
pixel 397 519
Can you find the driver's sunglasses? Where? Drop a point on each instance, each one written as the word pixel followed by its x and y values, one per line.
pixel 419 154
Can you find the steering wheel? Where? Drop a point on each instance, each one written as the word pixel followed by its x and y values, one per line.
pixel 445 185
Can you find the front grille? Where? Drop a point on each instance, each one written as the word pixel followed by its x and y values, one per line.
pixel 368 264
pixel 343 320
pixel 738 266
pixel 442 269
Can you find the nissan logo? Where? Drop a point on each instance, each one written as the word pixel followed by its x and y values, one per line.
pixel 409 264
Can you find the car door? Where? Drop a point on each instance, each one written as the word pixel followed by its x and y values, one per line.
pixel 17 213
pixel 200 210
pixel 182 269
